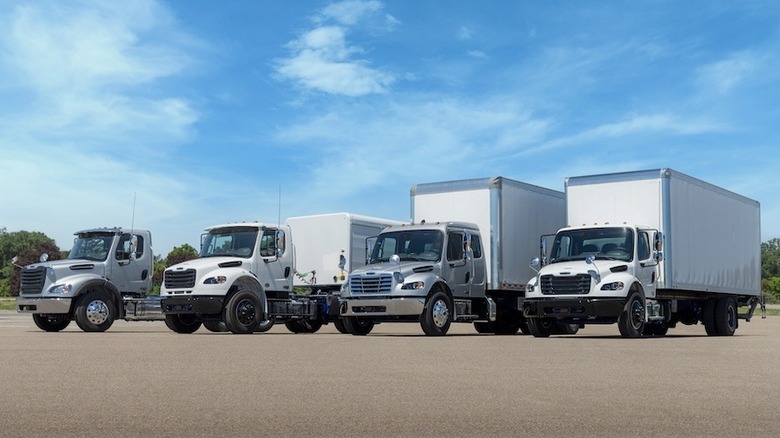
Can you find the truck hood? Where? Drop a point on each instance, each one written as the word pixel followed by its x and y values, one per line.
pixel 208 263
pixel 405 268
pixel 574 267
pixel 66 267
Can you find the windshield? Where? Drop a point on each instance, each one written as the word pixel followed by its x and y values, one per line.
pixel 225 242
pixel 414 245
pixel 601 243
pixel 91 246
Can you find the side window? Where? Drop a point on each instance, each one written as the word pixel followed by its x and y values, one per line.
pixel 268 243
pixel 643 247
pixel 129 244
pixel 455 244
pixel 476 246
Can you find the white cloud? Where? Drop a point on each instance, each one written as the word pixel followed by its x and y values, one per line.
pixel 350 12
pixel 322 60
pixel 477 54
pixel 465 33
pixel 726 74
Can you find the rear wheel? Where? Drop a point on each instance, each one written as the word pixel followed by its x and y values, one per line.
pixel 243 312
pixel 95 311
pixel 708 317
pixel 358 326
pixel 435 319
pixel 567 329
pixel 541 327
pixel 215 326
pixel 182 322
pixel 51 323
pixel 631 322
pixel 726 316
pixel 264 326
pixel 483 327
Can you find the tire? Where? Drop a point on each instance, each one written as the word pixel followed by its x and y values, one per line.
pixel 243 312
pixel 215 326
pixel 506 327
pixel 264 326
pixel 182 322
pixel 51 323
pixel 295 326
pixel 657 330
pixel 339 324
pixel 524 327
pixel 726 320
pixel 437 314
pixel 567 329
pixel 95 311
pixel 708 317
pixel 312 325
pixel 541 327
pixel 483 327
pixel 358 326
pixel 631 322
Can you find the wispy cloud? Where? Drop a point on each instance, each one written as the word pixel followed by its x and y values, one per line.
pixel 724 75
pixel 322 60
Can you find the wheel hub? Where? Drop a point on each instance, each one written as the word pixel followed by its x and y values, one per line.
pixel 245 312
pixel 440 313
pixel 97 312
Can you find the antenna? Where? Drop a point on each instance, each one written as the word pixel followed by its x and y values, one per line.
pixel 132 221
pixel 279 208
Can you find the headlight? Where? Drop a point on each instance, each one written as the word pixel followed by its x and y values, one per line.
pixel 219 279
pixel 415 285
pixel 60 289
pixel 617 285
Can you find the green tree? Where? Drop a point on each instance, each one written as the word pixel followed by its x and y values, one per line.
pixel 27 247
pixel 770 269
pixel 177 255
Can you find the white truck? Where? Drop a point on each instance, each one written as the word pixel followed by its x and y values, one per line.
pixel 462 260
pixel 107 276
pixel 243 280
pixel 647 250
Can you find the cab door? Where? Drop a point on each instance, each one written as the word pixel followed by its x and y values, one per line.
pixel 130 264
pixel 647 266
pixel 458 270
pixel 275 262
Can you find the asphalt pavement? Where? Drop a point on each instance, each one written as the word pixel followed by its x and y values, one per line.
pixel 140 379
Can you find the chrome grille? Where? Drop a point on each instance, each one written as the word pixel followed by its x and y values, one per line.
pixel 180 279
pixel 33 280
pixel 568 285
pixel 371 284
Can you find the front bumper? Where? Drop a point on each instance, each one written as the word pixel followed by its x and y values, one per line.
pixel 383 306
pixel 192 304
pixel 577 308
pixel 52 305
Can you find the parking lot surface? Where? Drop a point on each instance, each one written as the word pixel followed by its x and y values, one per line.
pixel 140 379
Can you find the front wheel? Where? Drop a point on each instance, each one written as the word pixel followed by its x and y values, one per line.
pixel 541 327
pixel 631 322
pixel 436 317
pixel 95 311
pixel 358 326
pixel 243 312
pixel 182 322
pixel 51 323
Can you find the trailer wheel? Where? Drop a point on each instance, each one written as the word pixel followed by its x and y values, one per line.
pixel 358 326
pixel 726 316
pixel 95 311
pixel 243 312
pixel 264 326
pixel 182 323
pixel 51 323
pixel 215 326
pixel 631 322
pixel 339 324
pixel 708 317
pixel 541 327
pixel 435 319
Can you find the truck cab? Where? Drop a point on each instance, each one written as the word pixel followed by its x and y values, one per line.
pixel 106 268
pixel 240 267
pixel 596 274
pixel 433 273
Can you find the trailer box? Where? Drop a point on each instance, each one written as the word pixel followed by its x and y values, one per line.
pixel 329 246
pixel 512 214
pixel 712 236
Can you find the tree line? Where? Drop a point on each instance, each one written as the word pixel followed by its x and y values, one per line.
pixel 20 248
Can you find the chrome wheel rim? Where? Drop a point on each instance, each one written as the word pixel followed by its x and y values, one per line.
pixel 97 312
pixel 440 313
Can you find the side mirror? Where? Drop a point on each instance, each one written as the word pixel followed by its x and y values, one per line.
pixel 658 241
pixel 395 259
pixel 535 262
pixel 44 257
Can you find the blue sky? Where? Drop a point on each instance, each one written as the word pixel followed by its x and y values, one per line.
pixel 205 111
